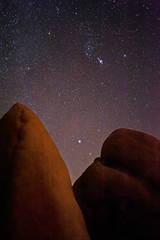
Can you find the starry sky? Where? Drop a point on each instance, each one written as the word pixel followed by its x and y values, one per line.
pixel 84 67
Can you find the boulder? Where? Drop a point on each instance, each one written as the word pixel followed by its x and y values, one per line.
pixel 119 193
pixel 36 196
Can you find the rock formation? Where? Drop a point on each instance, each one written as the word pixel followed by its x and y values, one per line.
pixel 119 193
pixel 37 201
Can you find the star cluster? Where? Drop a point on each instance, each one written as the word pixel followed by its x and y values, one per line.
pixel 85 67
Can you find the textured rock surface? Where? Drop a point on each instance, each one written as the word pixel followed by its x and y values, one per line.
pixel 36 196
pixel 119 193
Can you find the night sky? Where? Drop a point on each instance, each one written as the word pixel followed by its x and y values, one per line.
pixel 84 67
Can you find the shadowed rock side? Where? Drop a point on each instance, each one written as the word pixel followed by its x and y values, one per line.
pixel 37 201
pixel 119 193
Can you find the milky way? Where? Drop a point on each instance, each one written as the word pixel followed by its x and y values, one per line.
pixel 85 67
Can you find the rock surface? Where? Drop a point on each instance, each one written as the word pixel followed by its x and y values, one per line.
pixel 119 193
pixel 36 196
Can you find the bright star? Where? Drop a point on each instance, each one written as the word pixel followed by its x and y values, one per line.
pixel 100 60
pixel 79 141
pixel 28 68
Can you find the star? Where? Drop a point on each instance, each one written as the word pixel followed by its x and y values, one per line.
pixel 89 50
pixel 100 60
pixel 79 141
pixel 28 68
pixel 57 10
pixel 60 92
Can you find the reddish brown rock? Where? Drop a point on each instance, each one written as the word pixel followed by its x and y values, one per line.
pixel 37 201
pixel 119 193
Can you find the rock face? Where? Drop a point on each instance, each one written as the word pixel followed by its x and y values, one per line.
pixel 37 201
pixel 119 193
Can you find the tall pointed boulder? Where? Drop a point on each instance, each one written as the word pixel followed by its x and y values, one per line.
pixel 37 201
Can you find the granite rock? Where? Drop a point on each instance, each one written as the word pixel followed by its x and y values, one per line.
pixel 119 193
pixel 36 196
